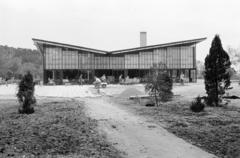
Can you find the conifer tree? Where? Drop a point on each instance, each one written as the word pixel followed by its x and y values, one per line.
pixel 217 77
pixel 159 84
pixel 25 94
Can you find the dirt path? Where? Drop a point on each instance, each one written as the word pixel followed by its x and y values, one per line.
pixel 136 137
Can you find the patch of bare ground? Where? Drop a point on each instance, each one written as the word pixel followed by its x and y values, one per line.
pixel 58 128
pixel 217 130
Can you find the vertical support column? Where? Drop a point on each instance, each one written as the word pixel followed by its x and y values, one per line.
pixel 166 58
pixel 190 77
pixel 195 75
pixel 125 73
pixel 139 64
pixel 45 79
pixel 194 64
pixel 178 73
pixel 54 75
pixel 171 73
pixel 194 57
pixel 61 75
pixel 93 73
pixel 88 75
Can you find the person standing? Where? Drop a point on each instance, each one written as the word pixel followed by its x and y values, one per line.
pixel 97 84
pixel 182 79
pixel 80 79
pixel 120 78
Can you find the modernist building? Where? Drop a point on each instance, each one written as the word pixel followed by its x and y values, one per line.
pixel 64 61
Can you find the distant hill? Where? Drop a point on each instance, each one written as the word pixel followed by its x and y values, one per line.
pixel 14 62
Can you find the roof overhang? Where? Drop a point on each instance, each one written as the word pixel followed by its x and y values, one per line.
pixel 146 48
pixel 38 42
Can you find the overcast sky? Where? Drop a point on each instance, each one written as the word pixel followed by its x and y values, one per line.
pixel 115 24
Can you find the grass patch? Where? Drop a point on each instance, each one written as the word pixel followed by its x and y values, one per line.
pixel 58 128
pixel 216 129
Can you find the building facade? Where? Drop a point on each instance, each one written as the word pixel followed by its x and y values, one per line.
pixel 63 61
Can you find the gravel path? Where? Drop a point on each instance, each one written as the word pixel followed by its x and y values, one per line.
pixel 136 137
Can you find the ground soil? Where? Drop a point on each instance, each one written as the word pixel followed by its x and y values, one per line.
pixel 58 128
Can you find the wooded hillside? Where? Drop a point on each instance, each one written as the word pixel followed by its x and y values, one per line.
pixel 14 62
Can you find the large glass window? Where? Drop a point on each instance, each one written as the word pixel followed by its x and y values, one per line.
pixel 86 60
pixel 101 62
pixel 70 59
pixel 116 62
pixel 131 61
pixel 186 57
pixel 53 58
pixel 173 57
pixel 146 60
pixel 159 56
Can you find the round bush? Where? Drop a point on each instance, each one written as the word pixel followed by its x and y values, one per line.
pixel 197 105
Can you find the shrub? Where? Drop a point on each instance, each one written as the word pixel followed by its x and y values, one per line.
pixel 197 105
pixel 25 94
pixel 159 85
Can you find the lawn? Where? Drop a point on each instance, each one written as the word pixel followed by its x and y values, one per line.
pixel 58 128
pixel 216 130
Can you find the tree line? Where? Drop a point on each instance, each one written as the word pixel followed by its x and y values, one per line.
pixel 16 61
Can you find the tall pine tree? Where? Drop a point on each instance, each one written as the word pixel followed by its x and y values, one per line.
pixel 217 77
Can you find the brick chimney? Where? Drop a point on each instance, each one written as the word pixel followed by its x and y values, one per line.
pixel 143 39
